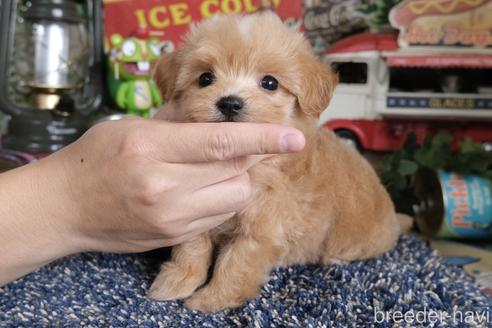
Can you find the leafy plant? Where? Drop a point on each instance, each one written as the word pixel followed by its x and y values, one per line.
pixel 378 12
pixel 437 152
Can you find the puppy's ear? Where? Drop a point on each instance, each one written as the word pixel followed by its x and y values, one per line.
pixel 316 85
pixel 165 73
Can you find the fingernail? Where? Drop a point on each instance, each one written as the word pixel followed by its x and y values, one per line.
pixel 293 142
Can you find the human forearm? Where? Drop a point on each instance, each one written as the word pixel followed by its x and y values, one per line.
pixel 34 214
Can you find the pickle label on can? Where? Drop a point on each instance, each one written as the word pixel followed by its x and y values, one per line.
pixel 468 203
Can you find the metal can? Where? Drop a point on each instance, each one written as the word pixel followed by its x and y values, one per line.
pixel 453 205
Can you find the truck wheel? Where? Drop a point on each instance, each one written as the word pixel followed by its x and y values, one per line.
pixel 349 138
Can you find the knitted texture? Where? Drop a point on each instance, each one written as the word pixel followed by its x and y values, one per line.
pixel 108 290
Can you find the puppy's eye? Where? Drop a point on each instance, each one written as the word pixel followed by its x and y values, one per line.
pixel 269 83
pixel 206 79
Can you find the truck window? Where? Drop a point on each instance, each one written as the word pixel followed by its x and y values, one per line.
pixel 350 72
pixel 441 80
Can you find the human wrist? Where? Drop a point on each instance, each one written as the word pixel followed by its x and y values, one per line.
pixel 59 206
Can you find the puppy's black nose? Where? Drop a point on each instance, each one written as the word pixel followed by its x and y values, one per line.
pixel 230 105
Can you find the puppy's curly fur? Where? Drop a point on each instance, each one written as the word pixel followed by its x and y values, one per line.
pixel 324 204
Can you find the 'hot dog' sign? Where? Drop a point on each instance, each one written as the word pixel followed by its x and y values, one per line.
pixel 464 23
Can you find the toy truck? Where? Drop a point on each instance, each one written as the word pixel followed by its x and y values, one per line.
pixel 386 92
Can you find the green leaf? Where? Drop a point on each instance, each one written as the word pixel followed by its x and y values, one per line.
pixel 400 182
pixel 468 146
pixel 442 139
pixel 411 145
pixel 378 11
pixel 436 151
pixel 407 167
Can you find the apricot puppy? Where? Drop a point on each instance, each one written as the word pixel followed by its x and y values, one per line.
pixel 322 205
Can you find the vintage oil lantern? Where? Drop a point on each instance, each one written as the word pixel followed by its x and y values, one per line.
pixel 51 62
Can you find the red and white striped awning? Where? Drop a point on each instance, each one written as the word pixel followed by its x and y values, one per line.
pixel 441 61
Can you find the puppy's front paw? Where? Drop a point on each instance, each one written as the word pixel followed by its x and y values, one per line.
pixel 175 282
pixel 209 300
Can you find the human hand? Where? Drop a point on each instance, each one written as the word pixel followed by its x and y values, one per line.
pixel 141 184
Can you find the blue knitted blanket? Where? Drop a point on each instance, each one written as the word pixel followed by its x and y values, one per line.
pixel 108 290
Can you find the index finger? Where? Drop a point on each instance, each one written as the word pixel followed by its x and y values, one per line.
pixel 209 142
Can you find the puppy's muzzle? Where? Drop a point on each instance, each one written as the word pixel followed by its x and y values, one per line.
pixel 230 106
